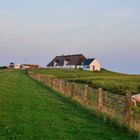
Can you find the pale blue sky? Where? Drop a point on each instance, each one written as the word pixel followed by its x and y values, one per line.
pixel 40 29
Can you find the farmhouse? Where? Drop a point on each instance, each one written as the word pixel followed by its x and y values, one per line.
pixel 14 66
pixel 75 61
pixel 91 64
pixel 67 61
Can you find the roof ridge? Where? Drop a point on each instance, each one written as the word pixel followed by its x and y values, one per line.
pixel 69 55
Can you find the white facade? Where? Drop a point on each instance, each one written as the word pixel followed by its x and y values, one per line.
pixel 63 67
pixel 17 66
pixel 93 66
pixel 25 67
pixel 85 67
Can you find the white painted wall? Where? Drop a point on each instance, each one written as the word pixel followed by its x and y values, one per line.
pixel 85 67
pixel 96 65
pixel 25 67
pixel 17 66
pixel 71 66
pixel 79 66
pixel 63 67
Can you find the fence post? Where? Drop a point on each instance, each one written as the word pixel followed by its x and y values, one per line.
pixel 127 109
pixel 39 77
pixel 72 89
pixel 60 86
pixel 35 76
pixel 45 80
pixel 65 87
pixel 85 95
pixel 100 100
pixel 51 80
pixel 55 84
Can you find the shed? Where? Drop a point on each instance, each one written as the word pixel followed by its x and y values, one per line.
pixel 91 64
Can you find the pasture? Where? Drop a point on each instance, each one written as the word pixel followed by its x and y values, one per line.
pixel 110 81
pixel 30 110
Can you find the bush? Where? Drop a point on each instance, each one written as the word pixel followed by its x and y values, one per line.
pixel 4 67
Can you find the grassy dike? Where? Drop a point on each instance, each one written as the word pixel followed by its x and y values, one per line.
pixel 31 111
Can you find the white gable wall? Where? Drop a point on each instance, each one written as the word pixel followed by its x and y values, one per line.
pixel 95 66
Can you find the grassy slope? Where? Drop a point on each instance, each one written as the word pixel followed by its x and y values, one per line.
pixel 29 110
pixel 110 81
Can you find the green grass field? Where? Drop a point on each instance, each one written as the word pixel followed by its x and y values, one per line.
pixel 110 81
pixel 32 111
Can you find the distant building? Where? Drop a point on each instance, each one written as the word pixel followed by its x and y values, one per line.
pixel 17 66
pixel 67 61
pixel 12 65
pixel 24 66
pixel 91 64
pixel 29 66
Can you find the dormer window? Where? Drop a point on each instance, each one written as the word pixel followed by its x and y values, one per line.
pixel 55 63
pixel 65 62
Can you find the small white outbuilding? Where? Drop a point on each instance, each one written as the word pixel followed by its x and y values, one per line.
pixel 17 66
pixel 91 64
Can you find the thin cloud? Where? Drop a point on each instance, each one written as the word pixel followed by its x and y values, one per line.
pixel 7 13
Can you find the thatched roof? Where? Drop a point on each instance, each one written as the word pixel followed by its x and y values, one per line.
pixel 76 59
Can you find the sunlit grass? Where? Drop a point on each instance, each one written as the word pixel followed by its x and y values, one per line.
pixel 110 81
pixel 30 110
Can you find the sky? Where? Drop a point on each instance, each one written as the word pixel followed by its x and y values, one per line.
pixel 35 31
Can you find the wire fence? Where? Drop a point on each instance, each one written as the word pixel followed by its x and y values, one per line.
pixel 114 106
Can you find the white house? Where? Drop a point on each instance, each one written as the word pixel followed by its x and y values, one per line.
pixel 91 64
pixel 75 61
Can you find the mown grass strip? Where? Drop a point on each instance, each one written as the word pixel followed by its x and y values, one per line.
pixel 30 110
